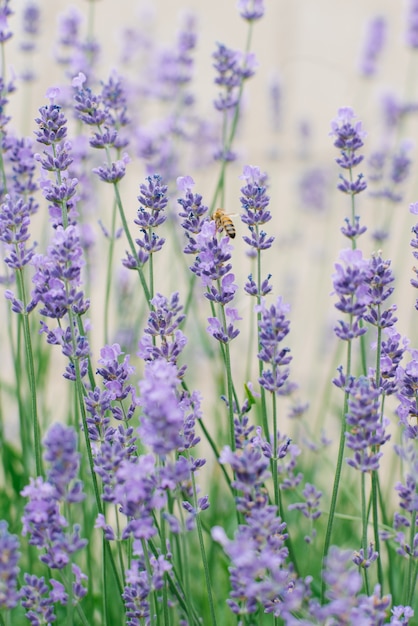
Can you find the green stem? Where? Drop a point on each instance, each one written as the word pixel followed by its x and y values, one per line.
pixel 203 554
pixel 131 242
pixel 338 469
pixel 364 527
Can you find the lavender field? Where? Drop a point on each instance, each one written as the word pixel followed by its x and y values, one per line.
pixel 209 344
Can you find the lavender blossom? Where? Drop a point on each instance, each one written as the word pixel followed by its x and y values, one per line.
pixel 412 24
pixel 349 137
pixel 273 328
pixel 140 585
pixel 374 43
pixel 39 605
pixel 233 68
pixel 260 576
pixel 163 322
pixel 9 570
pixel 162 417
pixel 407 379
pixel 193 213
pixel 350 285
pixel 45 525
pixel 116 375
pixel 366 427
pixel 251 10
pixel 61 454
pixel 345 604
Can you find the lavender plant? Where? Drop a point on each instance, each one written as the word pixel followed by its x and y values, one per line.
pixel 160 460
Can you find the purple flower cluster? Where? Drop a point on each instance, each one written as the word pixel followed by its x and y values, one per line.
pixel 406 522
pixel 350 285
pixel 141 584
pixel 374 43
pixel 273 328
pixel 213 267
pixel 193 213
pixel 251 10
pixel 153 200
pixel 233 68
pixel 57 289
pixel 260 576
pixel 345 604
pixel 407 379
pixel 349 137
pixel 366 432
pixel 56 157
pixel 163 323
pixel 9 570
pixel 42 519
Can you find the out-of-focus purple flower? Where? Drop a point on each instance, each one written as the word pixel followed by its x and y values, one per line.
pixel 61 454
pixel 401 615
pixel 391 181
pixel 373 45
pixel 345 605
pixel 233 67
pixel 9 570
pixel 30 22
pixel 14 232
pixel 45 525
pixel 407 410
pixel 5 13
pixel 366 432
pixel 162 418
pixel 140 584
pixel 412 24
pixel 309 508
pixel 251 10
pixel 350 285
pixel 313 187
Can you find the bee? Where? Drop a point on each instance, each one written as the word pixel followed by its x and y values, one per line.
pixel 224 222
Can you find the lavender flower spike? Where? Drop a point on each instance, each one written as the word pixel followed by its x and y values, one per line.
pixel 9 570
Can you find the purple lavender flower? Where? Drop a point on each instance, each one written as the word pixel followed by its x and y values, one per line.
pixel 349 137
pixel 116 375
pixel 309 508
pixel 407 378
pixel 9 570
pixel 45 525
pixel 163 322
pixel 374 43
pixel 251 10
pixel 61 454
pixel 140 585
pixel 366 427
pixel 14 232
pixel 233 67
pixel 211 265
pixel 379 278
pixel 5 13
pixel 162 418
pixel 193 213
pixel 39 605
pixel 273 328
pixel 412 24
pixel 343 586
pixel 350 285
pixel 365 560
